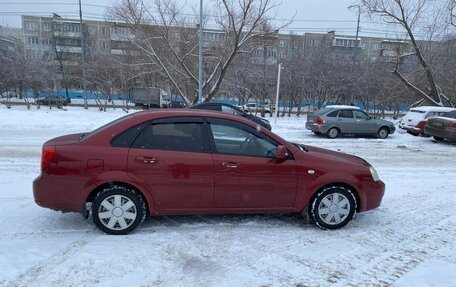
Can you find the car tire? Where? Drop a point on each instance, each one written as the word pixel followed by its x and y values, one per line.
pixel 383 133
pixel 118 210
pixel 439 139
pixel 333 133
pixel 332 207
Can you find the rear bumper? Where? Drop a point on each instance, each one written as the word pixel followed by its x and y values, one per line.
pixel 316 128
pixel 411 129
pixel 56 193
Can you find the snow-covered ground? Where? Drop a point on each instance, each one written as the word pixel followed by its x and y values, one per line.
pixel 408 241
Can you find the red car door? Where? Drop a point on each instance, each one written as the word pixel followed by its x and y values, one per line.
pixel 247 174
pixel 173 160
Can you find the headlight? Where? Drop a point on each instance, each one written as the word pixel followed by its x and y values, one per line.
pixel 374 174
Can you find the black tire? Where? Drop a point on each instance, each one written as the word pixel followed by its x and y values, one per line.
pixel 439 139
pixel 341 211
pixel 333 133
pixel 110 195
pixel 383 133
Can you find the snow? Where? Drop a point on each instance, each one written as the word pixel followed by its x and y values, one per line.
pixel 407 241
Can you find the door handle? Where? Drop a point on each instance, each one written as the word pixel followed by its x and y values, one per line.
pixel 230 164
pixel 150 160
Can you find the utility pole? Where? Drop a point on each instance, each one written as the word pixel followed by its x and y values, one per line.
pixel 200 55
pixel 83 59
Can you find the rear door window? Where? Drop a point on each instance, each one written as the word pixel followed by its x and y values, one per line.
pixel 176 136
pixel 346 114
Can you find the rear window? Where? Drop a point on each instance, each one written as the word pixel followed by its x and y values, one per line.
pixel 322 111
pixel 417 111
pixel 333 114
pixel 108 125
pixel 450 115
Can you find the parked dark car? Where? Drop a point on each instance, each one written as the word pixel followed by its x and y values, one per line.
pixel 227 108
pixel 53 100
pixel 442 128
pixel 335 120
pixel 192 161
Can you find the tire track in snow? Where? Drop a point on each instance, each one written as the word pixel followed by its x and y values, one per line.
pixel 32 275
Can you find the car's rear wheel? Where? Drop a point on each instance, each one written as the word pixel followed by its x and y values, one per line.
pixel 383 133
pixel 118 210
pixel 333 133
pixel 333 207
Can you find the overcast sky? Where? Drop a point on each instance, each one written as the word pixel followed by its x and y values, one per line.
pixel 309 15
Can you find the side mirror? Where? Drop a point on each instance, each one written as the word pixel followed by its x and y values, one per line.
pixel 281 152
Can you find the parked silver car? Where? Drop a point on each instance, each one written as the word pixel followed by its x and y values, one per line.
pixel 335 120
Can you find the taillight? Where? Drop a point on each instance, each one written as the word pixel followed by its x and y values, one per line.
pixel 421 124
pixel 319 121
pixel 452 124
pixel 46 156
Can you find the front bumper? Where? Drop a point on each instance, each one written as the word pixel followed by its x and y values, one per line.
pixel 372 195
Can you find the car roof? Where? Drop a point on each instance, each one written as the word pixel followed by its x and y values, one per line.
pixel 342 107
pixel 164 113
pixel 433 109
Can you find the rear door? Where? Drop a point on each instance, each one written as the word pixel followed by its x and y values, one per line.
pixel 173 159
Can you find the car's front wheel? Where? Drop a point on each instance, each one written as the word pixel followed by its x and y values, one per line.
pixel 333 207
pixel 118 210
pixel 383 133
pixel 438 138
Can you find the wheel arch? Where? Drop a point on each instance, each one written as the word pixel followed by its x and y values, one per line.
pixel 336 183
pixel 385 127
pixel 91 196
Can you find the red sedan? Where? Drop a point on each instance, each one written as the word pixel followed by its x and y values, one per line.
pixel 198 162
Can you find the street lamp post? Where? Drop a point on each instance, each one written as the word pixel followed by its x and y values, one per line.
pixel 200 55
pixel 277 94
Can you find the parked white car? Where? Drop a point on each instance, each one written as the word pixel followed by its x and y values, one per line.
pixel 256 108
pixel 415 120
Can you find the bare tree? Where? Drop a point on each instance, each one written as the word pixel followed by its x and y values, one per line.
pixel 169 39
pixel 408 14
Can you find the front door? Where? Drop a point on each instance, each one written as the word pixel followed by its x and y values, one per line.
pixel 173 160
pixel 346 122
pixel 247 174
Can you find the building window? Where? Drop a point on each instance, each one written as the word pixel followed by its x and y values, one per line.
pixel 32 40
pixel 32 26
pixel 104 45
pixel 47 27
pixel 375 47
pixel 104 31
pixel 314 42
pixel 92 30
pixel 47 41
pixel 282 43
pixel 272 54
pixel 344 42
